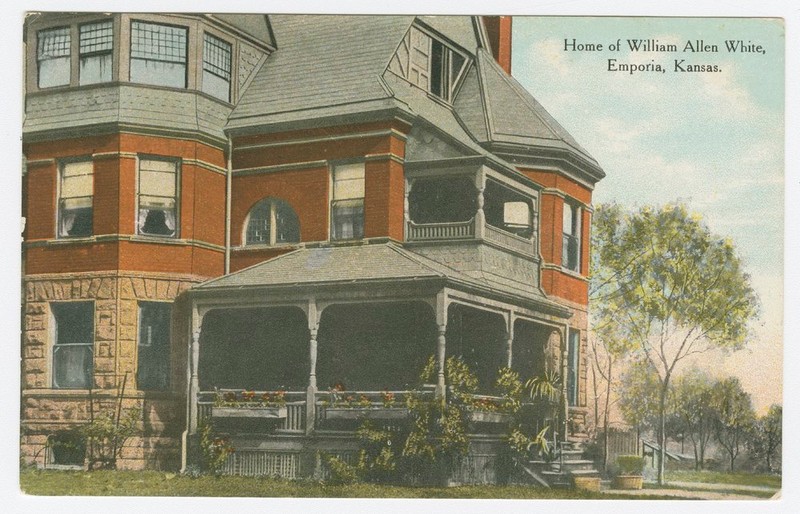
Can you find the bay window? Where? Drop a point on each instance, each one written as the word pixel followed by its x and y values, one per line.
pixel 158 54
pixel 95 51
pixel 157 198
pixel 74 343
pixel 216 67
pixel 76 190
pixel 53 57
pixel 347 203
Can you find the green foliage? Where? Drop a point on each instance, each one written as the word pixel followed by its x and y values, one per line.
pixel 510 388
pixel 630 465
pixel 341 473
pixel 733 418
pixel 692 405
pixel 526 446
pixel 765 438
pixel 214 450
pixel 107 433
pixel 546 386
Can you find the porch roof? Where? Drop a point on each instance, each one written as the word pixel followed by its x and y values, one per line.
pixel 373 262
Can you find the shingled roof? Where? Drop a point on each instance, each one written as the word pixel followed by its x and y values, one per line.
pixel 369 263
pixel 329 67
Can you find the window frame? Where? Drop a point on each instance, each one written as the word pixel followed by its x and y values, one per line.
pixel 573 236
pixel 68 56
pixel 185 62
pixel 573 366
pixel 274 205
pixel 357 228
pixel 203 70
pixel 109 52
pixel 176 198
pixel 166 349
pixel 56 346
pixel 60 211
pixel 446 77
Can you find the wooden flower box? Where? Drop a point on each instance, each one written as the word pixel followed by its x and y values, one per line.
pixel 482 416
pixel 627 482
pixel 249 412
pixel 354 413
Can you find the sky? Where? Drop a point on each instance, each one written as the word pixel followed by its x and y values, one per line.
pixel 712 140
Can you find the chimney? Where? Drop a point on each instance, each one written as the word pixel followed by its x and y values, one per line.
pixel 498 30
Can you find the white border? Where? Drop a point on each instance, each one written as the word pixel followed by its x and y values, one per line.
pixel 10 208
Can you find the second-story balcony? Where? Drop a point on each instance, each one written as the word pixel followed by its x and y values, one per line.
pixel 451 208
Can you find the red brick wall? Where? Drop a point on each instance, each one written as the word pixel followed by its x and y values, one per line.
pixel 241 259
pixel 563 285
pixel 384 198
pixel 202 210
pixel 41 202
pixel 305 190
pixel 555 282
pixel 498 30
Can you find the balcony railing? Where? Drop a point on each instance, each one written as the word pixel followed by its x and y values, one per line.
pixel 509 240
pixel 433 231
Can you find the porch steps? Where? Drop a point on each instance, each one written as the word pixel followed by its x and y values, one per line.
pixel 561 472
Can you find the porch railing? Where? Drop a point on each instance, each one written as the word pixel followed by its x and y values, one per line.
pixel 295 420
pixel 433 231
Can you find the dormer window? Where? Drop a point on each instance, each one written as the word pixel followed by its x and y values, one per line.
pixel 158 54
pixel 429 63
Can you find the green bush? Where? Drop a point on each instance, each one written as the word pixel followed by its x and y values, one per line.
pixel 630 465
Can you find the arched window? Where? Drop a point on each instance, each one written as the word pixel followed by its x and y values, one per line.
pixel 272 221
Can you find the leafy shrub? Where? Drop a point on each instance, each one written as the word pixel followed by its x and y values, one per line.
pixel 106 434
pixel 630 465
pixel 214 450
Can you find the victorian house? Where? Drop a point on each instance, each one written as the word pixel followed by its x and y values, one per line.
pixel 250 202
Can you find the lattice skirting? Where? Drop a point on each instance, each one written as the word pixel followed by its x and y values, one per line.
pixel 263 463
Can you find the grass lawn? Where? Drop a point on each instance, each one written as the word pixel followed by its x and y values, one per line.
pixel 720 477
pixel 154 483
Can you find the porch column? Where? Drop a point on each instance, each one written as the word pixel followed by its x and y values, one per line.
pixel 194 383
pixel 311 392
pixel 441 346
pixel 564 368
pixel 480 216
pixel 406 216
pixel 509 337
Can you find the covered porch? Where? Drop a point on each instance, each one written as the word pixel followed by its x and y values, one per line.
pixel 309 344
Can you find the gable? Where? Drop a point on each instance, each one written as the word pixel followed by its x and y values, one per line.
pixel 426 144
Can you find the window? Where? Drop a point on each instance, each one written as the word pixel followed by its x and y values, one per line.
pixel 347 204
pixel 75 199
pixel 158 54
pixel 216 67
pixel 570 253
pixel 74 341
pixel 429 63
pixel 573 354
pixel 508 209
pixel 52 56
pixel 152 372
pixel 67 450
pixel 158 182
pixel 269 213
pixel 96 45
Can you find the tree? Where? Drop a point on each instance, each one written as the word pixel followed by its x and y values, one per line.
pixel 675 290
pixel 608 345
pixel 766 437
pixel 692 404
pixel 734 416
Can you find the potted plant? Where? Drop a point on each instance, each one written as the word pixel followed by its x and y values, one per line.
pixel 628 472
pixel 249 404
pixel 362 407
